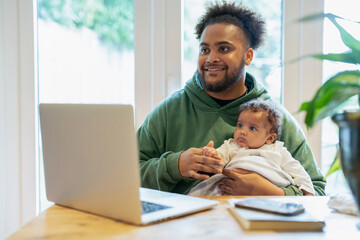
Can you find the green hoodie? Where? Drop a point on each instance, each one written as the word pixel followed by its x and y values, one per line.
pixel 191 118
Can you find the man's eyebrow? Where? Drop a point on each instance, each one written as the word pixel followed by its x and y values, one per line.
pixel 204 44
pixel 223 42
pixel 216 44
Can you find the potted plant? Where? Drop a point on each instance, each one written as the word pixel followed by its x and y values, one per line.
pixel 331 98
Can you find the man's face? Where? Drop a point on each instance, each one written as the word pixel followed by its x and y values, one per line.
pixel 222 57
pixel 253 129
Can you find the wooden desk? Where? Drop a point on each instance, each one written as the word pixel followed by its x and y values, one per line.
pixel 63 223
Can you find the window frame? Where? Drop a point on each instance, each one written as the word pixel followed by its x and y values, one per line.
pixel 18 140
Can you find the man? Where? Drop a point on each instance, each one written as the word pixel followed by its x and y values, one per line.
pixel 171 137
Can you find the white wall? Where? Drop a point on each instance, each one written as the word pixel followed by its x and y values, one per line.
pixel 17 111
pixel 2 130
pixel 303 77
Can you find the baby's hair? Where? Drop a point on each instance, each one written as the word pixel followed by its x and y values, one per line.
pixel 250 22
pixel 260 105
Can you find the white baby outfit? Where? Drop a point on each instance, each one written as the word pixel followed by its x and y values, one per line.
pixel 273 161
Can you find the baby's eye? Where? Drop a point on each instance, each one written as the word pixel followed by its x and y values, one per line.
pixel 240 125
pixel 252 128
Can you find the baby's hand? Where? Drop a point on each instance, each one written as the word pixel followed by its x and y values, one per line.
pixel 211 152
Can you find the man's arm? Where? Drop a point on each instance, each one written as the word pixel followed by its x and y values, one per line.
pixel 158 168
pixel 164 171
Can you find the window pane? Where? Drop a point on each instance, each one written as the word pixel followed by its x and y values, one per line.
pixel 266 66
pixel 86 51
pixel 86 54
pixel 333 44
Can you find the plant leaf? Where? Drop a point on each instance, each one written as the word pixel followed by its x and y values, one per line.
pixel 335 165
pixel 320 15
pixel 304 106
pixel 346 37
pixel 312 17
pixel 331 95
pixel 348 57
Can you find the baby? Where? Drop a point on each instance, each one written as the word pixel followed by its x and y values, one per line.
pixel 255 148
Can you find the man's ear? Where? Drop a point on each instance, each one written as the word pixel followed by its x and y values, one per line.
pixel 271 138
pixel 249 54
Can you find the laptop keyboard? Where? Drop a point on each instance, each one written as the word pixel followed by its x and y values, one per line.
pixel 148 207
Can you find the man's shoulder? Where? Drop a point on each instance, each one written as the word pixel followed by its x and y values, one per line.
pixel 173 97
pixel 288 118
pixel 159 114
pixel 176 98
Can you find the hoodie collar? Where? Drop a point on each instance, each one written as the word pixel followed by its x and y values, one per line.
pixel 201 99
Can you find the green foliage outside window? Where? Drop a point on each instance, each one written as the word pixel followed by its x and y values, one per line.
pixel 112 20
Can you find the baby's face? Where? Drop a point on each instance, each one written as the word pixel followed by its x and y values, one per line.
pixel 253 129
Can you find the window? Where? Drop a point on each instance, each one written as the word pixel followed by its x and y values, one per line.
pixel 85 55
pixel 86 51
pixel 266 66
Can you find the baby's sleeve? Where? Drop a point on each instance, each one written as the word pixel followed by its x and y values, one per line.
pixel 224 151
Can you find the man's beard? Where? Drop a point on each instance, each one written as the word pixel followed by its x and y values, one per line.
pixel 223 84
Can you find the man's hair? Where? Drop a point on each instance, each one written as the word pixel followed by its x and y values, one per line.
pixel 251 23
pixel 259 105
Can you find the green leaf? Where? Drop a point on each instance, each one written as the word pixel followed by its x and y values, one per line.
pixel 313 17
pixel 346 37
pixel 331 95
pixel 348 57
pixel 304 106
pixel 335 166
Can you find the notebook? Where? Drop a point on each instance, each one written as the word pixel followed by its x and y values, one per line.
pixel 91 163
pixel 260 220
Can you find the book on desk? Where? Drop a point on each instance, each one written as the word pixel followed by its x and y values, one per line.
pixel 258 220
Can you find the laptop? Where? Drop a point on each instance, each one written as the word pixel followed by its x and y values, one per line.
pixel 91 163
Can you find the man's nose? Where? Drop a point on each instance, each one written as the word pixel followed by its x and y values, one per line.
pixel 212 58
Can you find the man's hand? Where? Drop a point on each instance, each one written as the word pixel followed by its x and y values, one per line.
pixel 243 182
pixel 193 161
